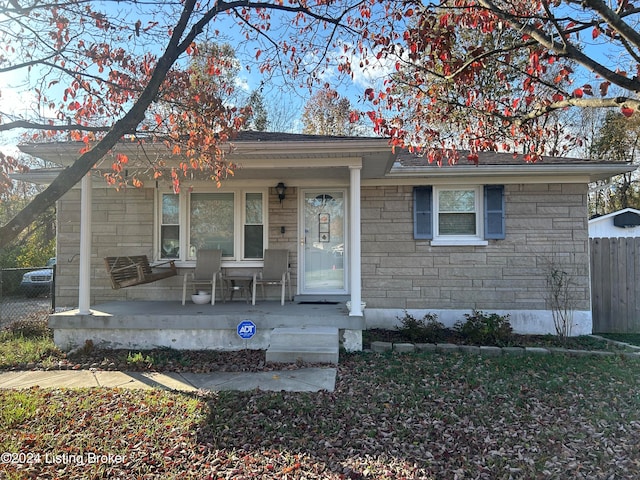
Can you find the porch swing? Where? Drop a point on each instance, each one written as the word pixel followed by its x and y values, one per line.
pixel 130 270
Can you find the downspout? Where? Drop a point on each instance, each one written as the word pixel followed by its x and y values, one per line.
pixel 354 236
pixel 84 285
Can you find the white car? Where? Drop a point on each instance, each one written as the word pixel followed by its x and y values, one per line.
pixel 38 282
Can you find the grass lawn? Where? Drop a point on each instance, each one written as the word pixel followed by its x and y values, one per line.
pixel 391 416
pixel 27 342
pixel 413 416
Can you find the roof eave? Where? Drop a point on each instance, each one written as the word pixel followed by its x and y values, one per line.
pixel 592 171
pixel 65 153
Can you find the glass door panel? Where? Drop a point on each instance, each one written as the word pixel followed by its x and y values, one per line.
pixel 324 242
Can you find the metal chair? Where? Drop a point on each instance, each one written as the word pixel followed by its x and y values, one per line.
pixel 274 272
pixel 207 272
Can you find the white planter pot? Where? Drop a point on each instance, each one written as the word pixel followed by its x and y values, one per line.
pixel 201 298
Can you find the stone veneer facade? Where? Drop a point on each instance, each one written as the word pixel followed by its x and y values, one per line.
pixel 122 223
pixel 545 223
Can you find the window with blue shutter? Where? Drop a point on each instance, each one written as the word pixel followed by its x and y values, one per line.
pixel 494 228
pixel 423 213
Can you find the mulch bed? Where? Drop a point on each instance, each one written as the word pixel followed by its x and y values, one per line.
pixel 516 340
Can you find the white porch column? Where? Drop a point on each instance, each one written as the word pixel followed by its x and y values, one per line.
pixel 354 240
pixel 84 285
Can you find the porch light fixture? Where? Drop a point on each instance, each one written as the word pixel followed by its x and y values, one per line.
pixel 281 188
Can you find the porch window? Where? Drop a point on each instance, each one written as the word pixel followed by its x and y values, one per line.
pixel 211 222
pixel 459 215
pixel 170 226
pixel 253 226
pixel 232 221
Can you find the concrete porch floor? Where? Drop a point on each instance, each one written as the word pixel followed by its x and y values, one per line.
pixel 152 324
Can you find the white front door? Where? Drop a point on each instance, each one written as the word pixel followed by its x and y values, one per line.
pixel 323 253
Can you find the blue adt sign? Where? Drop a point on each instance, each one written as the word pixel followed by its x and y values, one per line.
pixel 246 329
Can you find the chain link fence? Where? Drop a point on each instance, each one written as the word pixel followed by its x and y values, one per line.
pixel 26 294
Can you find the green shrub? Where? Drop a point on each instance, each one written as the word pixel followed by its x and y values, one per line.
pixel 425 330
pixel 485 329
pixel 139 359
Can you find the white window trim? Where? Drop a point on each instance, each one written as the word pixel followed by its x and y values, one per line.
pixel 239 215
pixel 459 240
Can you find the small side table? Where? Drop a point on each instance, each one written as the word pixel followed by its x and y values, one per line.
pixel 240 284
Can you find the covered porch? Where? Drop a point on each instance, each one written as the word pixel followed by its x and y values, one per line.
pixel 289 192
pixel 140 325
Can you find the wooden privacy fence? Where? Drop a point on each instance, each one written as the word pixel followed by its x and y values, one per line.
pixel 615 284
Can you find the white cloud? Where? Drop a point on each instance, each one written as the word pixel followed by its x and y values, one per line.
pixel 242 83
pixel 370 71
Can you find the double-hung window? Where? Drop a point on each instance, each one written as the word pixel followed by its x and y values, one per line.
pixel 456 213
pixel 468 215
pixel 233 221
pixel 169 226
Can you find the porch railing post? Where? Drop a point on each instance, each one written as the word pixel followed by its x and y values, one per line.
pixel 354 238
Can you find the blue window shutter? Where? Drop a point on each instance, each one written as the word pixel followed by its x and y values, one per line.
pixel 423 213
pixel 494 228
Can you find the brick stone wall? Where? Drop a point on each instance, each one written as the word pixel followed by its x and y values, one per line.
pixel 545 225
pixel 122 223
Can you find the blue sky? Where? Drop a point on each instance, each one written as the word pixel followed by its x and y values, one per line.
pixel 17 99
pixel 20 100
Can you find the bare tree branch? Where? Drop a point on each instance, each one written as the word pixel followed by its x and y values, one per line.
pixel 565 49
pixel 617 102
pixel 25 124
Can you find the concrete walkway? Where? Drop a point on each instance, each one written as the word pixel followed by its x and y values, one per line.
pixel 300 380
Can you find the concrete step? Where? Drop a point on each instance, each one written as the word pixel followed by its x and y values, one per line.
pixel 305 336
pixel 303 344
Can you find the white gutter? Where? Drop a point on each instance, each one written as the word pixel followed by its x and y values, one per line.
pixel 594 171
pixel 65 153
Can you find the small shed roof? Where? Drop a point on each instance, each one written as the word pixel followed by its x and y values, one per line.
pixel 606 218
pixel 621 223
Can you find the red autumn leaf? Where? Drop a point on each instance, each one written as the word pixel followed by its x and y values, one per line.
pixel 627 111
pixel 107 73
